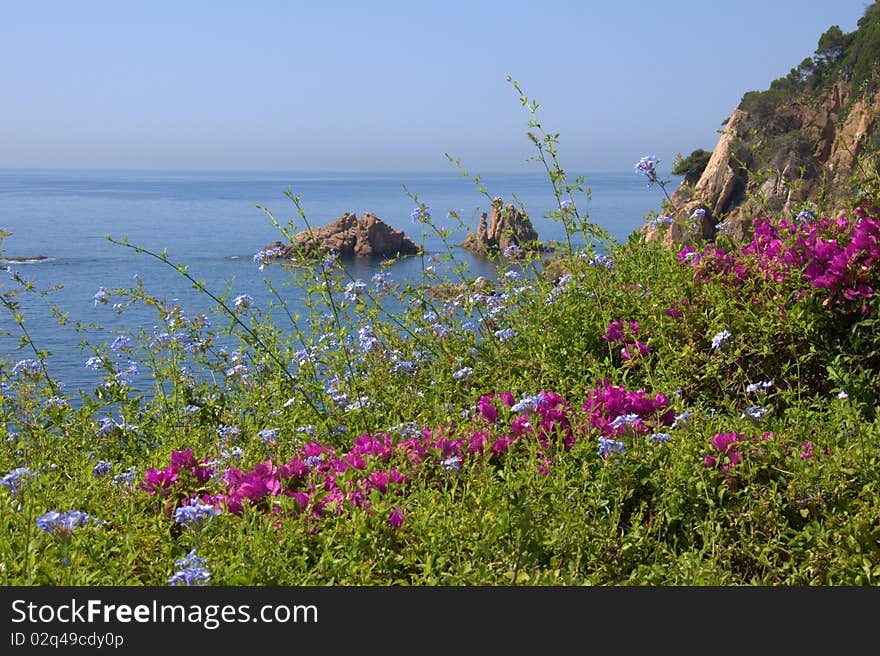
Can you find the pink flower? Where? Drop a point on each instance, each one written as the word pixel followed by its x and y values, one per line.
pixel 396 518
pixel 807 452
pixel 614 332
pixel 487 408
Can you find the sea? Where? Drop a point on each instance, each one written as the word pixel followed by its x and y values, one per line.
pixel 214 222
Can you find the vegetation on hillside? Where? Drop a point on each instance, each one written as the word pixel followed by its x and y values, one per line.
pixel 852 57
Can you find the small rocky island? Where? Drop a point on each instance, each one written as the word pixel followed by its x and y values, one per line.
pixel 348 237
pixel 508 230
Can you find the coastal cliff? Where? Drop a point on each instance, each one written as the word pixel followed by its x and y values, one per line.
pixel 794 147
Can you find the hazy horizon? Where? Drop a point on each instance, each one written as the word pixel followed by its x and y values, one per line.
pixel 386 87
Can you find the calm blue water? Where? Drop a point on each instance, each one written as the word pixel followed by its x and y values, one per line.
pixel 210 221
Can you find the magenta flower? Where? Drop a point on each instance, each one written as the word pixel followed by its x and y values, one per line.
pixel 727 444
pixel 396 518
pixel 488 409
pixel 159 482
pixel 614 332
pixel 807 452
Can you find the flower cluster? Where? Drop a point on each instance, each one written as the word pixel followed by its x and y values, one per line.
pixel 616 412
pixel 420 215
pixel 647 166
pixel 195 514
pixel 626 333
pixel 728 449
pixel 836 255
pixel 191 570
pixel 320 480
pixel 28 367
pixel 242 301
pixel 721 339
pixel 179 475
pixel 63 523
pixel 13 480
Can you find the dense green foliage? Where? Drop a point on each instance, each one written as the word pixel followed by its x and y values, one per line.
pixel 613 414
pixel 692 166
pixel 852 57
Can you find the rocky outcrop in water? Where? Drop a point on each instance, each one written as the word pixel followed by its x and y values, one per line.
pixel 348 236
pixel 506 227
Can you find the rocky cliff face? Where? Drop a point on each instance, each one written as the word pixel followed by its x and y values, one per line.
pixel 775 162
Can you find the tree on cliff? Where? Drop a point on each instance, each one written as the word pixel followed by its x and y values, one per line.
pixel 692 166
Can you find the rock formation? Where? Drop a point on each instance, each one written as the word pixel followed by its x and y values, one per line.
pixel 450 290
pixel 348 236
pixel 507 226
pixel 796 144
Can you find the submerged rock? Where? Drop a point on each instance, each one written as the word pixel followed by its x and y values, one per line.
pixel 26 260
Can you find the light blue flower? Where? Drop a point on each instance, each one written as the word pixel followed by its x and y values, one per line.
pixel 367 340
pixel 527 403
pixel 659 437
pixel 505 334
pixel 609 448
pixel 647 166
pixel 805 217
pixel 724 227
pixel 621 420
pixel 101 468
pixel 464 372
pixel 126 478
pixel 602 260
pixel 419 215
pixel 63 523
pixel 268 435
pixel 102 296
pixel 14 479
pixel 94 362
pixel 264 256
pixel 191 571
pixel 228 432
pixel 452 463
pixel 125 376
pixel 681 419
pixel 353 289
pixel 122 342
pixel 382 280
pixel 754 412
pixel 195 514
pixel 243 301
pixel 56 402
pixel 27 367
pixel 720 339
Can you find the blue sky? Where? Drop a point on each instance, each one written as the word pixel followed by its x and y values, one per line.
pixel 384 85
